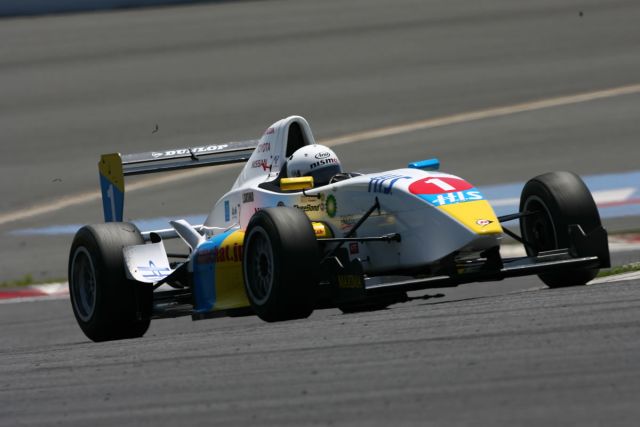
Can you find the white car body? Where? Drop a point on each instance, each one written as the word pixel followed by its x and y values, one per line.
pixel 280 247
pixel 429 229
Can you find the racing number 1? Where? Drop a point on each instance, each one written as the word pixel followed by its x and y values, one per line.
pixel 440 184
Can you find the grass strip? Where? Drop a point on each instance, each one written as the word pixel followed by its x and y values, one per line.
pixel 620 269
pixel 28 280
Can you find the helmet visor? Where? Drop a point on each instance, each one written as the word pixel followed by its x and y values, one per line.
pixel 322 176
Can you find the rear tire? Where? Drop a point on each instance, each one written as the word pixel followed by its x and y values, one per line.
pixel 281 264
pixel 106 304
pixel 558 200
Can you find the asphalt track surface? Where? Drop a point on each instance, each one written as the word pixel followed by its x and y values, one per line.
pixel 539 357
pixel 76 86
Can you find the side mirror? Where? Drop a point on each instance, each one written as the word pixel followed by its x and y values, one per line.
pixel 296 184
pixel 426 165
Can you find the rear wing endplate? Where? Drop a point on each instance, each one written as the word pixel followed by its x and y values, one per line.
pixel 114 167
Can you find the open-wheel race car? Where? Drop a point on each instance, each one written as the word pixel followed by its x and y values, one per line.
pixel 296 233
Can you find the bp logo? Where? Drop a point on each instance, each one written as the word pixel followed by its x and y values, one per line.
pixel 331 205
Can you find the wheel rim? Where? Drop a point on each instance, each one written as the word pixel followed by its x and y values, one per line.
pixel 83 284
pixel 259 268
pixel 538 229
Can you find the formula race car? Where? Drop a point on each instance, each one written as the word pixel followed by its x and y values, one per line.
pixel 296 233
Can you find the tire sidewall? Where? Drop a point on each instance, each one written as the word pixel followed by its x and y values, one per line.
pixel 537 192
pixel 86 241
pixel 122 306
pixel 295 263
pixel 79 249
pixel 265 227
pixel 565 200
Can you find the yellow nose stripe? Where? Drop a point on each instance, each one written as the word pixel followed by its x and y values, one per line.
pixel 476 215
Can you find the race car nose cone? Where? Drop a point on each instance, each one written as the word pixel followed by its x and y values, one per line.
pixel 477 215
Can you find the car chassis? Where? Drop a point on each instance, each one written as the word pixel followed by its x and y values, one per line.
pixel 564 240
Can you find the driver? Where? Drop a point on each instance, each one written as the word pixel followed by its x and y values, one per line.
pixel 315 160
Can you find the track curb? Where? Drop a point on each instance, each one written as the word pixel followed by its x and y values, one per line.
pixel 35 292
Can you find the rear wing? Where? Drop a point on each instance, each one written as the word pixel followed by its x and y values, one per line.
pixel 114 167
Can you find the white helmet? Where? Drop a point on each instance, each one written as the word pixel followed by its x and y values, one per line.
pixel 315 160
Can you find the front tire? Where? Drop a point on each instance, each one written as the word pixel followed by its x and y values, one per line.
pixel 557 200
pixel 281 264
pixel 107 305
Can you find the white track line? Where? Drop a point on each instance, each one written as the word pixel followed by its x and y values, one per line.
pixel 92 196
pixel 633 275
pixel 484 114
pixel 34 299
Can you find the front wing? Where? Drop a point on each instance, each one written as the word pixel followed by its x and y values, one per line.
pixel 588 251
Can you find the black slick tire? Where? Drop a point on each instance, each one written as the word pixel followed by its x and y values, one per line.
pixel 280 264
pixel 106 304
pixel 557 200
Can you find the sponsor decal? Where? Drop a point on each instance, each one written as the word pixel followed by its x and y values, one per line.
pixel 222 254
pixel 195 150
pixel 384 184
pixel 227 211
pixel 310 207
pixel 450 198
pixel 247 197
pixel 439 185
pixel 321 230
pixel 445 190
pixel 354 248
pixel 347 222
pixel 261 163
pixel 312 199
pixel 153 271
pixel 269 131
pixel 350 281
pixel 264 163
pixel 323 155
pixel 205 256
pixel 265 146
pixel 323 162
pixel 331 206
pixel 483 222
pixel 234 212
pixel 228 253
